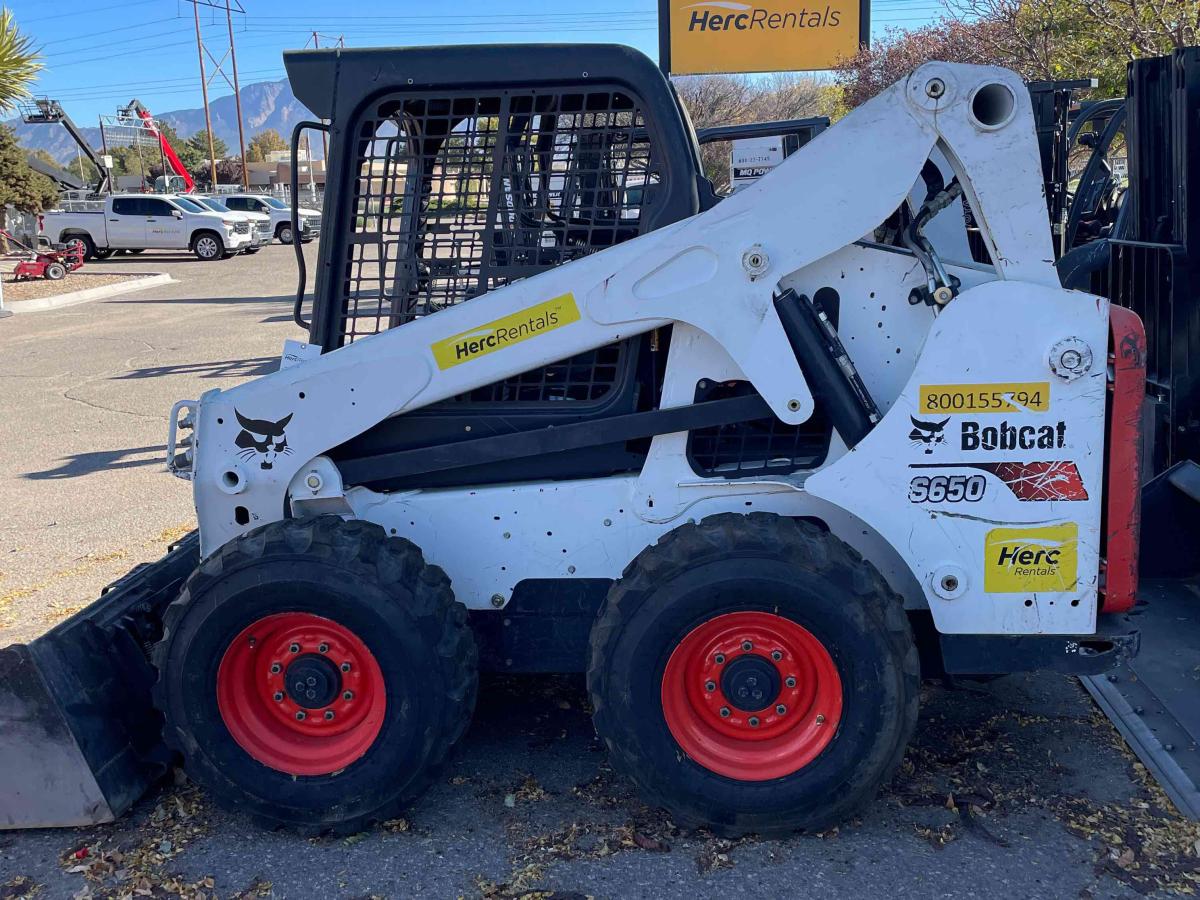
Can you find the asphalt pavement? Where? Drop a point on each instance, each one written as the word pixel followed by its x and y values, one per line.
pixel 1015 788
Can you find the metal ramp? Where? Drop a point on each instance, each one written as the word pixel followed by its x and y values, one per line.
pixel 1154 699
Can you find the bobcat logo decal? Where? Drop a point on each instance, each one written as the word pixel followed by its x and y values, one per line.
pixel 927 434
pixel 263 439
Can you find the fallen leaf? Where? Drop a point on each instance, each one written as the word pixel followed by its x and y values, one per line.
pixel 648 843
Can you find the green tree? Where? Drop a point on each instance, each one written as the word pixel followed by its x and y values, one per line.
pixel 199 143
pixel 20 186
pixel 1038 39
pixel 44 156
pixel 189 155
pixel 19 62
pixel 266 141
pixel 83 169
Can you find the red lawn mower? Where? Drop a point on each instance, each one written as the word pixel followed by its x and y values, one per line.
pixel 53 264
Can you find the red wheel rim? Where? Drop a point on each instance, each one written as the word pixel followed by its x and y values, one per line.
pixel 726 667
pixel 301 694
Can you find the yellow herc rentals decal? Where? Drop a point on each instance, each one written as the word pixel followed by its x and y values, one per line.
pixel 706 36
pixel 512 329
pixel 1028 560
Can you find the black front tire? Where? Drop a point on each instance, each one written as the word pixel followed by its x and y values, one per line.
pixel 284 233
pixel 382 591
pixel 771 565
pixel 207 246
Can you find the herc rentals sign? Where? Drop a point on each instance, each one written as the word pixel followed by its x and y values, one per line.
pixel 705 36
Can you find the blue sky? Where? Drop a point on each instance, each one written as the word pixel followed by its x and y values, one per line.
pixel 102 53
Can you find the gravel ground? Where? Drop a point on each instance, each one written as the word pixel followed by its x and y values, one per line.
pixel 80 280
pixel 1017 788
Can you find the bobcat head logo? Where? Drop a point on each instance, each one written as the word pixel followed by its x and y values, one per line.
pixel 262 439
pixel 927 434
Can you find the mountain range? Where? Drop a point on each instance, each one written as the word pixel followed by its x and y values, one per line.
pixel 265 104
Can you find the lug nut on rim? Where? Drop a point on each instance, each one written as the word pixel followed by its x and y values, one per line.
pixel 348 695
pixel 294 648
pixel 301 715
pixel 780 710
pixel 820 720
pixel 329 715
pixel 276 668
pixel 345 667
pixel 323 648
pixel 776 655
pixel 279 696
pixel 710 686
pixel 790 682
pixel 747 646
pixel 719 658
pixel 724 712
pixel 753 720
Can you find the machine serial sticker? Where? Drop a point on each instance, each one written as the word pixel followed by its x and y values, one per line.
pixel 502 333
pixel 1033 396
pixel 1027 560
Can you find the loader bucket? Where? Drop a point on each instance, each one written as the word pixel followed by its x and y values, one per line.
pixel 80 740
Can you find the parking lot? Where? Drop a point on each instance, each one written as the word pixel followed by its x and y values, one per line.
pixel 1017 787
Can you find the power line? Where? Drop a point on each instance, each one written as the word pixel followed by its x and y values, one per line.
pixel 133 43
pixel 94 9
pixel 93 34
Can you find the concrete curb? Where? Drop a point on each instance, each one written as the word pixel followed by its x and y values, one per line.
pixel 58 301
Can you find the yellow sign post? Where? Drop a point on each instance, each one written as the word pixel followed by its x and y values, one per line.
pixel 709 36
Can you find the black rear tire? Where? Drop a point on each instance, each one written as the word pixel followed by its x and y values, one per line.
pixel 379 589
pixel 770 567
pixel 89 246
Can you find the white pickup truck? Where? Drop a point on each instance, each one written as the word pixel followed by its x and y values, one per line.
pixel 138 222
pixel 280 213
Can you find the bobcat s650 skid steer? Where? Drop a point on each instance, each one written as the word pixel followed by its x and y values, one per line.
pixel 561 408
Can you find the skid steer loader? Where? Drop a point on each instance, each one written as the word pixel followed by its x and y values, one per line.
pixel 745 461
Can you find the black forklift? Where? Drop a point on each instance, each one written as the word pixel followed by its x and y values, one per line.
pixel 1132 234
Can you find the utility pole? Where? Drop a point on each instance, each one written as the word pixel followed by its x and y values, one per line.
pixel 212 153
pixel 230 7
pixel 316 42
pixel 237 95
